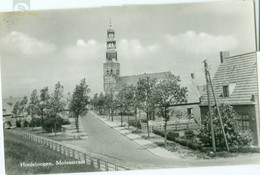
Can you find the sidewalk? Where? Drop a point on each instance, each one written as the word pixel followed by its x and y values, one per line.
pixel 146 144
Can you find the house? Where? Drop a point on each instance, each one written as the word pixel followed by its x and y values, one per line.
pixel 7 106
pixel 236 83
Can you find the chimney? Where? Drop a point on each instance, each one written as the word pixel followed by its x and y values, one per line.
pixel 192 75
pixel 223 55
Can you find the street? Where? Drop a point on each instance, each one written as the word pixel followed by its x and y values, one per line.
pixel 107 141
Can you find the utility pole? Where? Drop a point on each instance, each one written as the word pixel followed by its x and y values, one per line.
pixel 147 109
pixel 209 105
pixel 220 118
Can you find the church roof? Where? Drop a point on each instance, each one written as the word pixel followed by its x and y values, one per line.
pixel 240 73
pixel 133 79
pixel 193 91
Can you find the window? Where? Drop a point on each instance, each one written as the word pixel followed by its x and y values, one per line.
pixel 243 122
pixel 225 91
pixel 111 71
pixel 107 72
pixel 111 35
pixel 189 112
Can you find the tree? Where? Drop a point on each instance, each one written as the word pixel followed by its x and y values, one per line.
pixel 23 105
pixel 95 101
pixel 56 105
pixel 110 104
pixel 44 103
pixel 144 88
pixel 16 108
pixel 166 93
pixel 122 103
pixel 56 100
pixel 34 104
pixel 128 98
pixel 235 136
pixel 101 103
pixel 80 100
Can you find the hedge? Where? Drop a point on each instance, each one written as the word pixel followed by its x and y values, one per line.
pixel 173 136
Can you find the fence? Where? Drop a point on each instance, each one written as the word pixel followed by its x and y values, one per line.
pixel 173 126
pixel 98 163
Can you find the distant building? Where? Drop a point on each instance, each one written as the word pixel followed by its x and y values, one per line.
pixel 8 119
pixel 236 82
pixel 113 82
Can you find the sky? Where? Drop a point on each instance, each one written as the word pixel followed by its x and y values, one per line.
pixel 40 48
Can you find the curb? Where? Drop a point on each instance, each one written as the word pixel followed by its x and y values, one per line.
pixel 148 149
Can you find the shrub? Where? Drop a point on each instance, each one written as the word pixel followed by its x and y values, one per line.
pixel 65 122
pixel 18 123
pixel 173 136
pixel 189 134
pixel 170 136
pixel 189 143
pixel 52 124
pixel 35 122
pixel 245 149
pixel 135 123
pixel 25 123
pixel 234 136
pixel 158 132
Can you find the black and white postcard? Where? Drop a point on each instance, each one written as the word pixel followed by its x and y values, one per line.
pixel 130 87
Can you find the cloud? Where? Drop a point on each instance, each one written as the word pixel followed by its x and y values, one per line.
pixel 134 48
pixel 201 43
pixel 84 50
pixel 21 43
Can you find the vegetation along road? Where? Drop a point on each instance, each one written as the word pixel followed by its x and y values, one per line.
pixel 107 141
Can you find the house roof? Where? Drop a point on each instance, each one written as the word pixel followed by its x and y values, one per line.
pixel 240 73
pixel 193 95
pixel 8 103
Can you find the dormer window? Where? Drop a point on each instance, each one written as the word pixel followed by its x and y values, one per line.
pixel 225 91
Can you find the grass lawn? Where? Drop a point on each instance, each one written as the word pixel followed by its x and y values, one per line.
pixel 18 150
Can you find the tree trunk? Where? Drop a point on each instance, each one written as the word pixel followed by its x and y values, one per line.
pixel 121 120
pixel 55 128
pixel 32 121
pixel 136 122
pixel 128 121
pixel 42 120
pixel 165 132
pixel 77 122
pixel 165 126
pixel 112 115
pixel 148 130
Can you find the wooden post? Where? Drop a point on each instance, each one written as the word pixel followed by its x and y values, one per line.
pixel 106 165
pixel 209 104
pixel 85 158
pixel 98 163
pixel 91 161
pixel 220 118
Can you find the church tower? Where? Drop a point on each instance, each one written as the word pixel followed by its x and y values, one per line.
pixel 111 66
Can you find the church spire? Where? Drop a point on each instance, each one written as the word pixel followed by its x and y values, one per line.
pixel 110 23
pixel 111 53
pixel 111 66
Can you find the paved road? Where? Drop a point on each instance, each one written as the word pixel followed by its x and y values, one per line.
pixel 107 141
